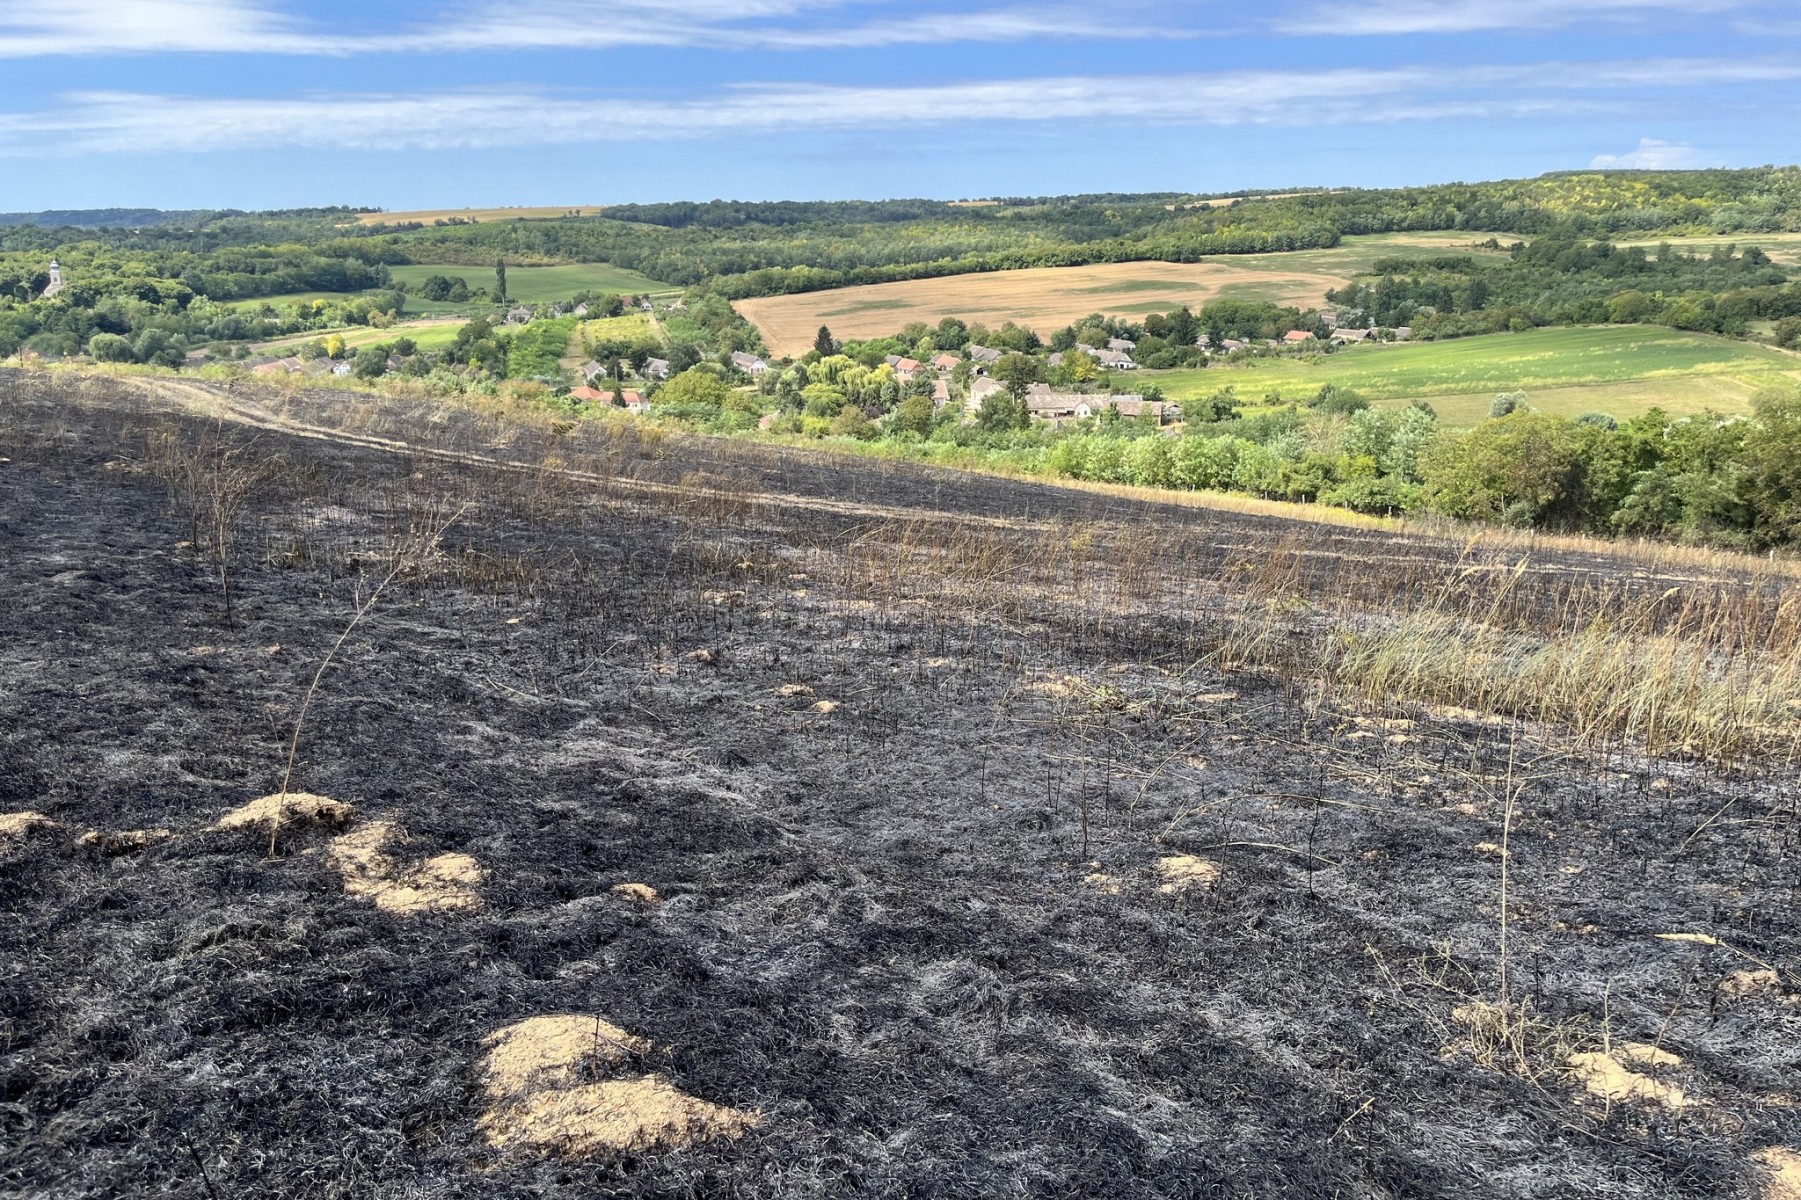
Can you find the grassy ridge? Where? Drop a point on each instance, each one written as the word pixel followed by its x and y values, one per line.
pixel 1619 370
pixel 538 285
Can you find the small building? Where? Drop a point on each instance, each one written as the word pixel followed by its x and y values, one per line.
pixel 906 370
pixel 1115 360
pixel 592 369
pixel 656 368
pixel 519 316
pixel 1403 333
pixel 941 393
pixel 588 395
pixel 1123 345
pixel 635 403
pixel 944 364
pixel 1052 407
pixel 980 389
pixel 1344 337
pixel 1128 405
pixel 277 366
pixel 1298 337
pixel 581 310
pixel 750 364
pixel 341 369
pixel 985 355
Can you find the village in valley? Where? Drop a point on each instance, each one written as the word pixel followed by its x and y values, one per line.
pixel 1051 387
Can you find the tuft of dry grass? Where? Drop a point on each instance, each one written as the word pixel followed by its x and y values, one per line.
pixel 113 843
pixel 15 827
pixel 1184 872
pixel 296 810
pixel 561 1084
pixel 445 883
pixel 1782 1167
pixel 1606 1076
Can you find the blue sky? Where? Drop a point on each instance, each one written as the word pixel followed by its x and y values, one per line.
pixel 447 103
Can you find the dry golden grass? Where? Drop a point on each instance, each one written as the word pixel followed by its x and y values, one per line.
pixel 1606 1077
pixel 289 810
pixel 561 1084
pixel 1044 299
pixel 1182 872
pixel 17 826
pixel 115 842
pixel 1784 1172
pixel 446 883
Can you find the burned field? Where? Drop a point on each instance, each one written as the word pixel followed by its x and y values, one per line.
pixel 697 819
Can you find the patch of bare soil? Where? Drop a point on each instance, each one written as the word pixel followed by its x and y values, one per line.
pixel 559 1084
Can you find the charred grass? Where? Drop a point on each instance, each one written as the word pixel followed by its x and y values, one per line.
pixel 847 794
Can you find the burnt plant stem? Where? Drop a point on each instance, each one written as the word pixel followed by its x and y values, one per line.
pixel 401 563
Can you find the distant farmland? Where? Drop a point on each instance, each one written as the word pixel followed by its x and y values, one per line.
pixel 1618 370
pixel 1044 299
pixel 435 216
pixel 1049 298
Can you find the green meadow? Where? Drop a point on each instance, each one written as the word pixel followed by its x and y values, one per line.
pixel 1619 370
pixel 429 335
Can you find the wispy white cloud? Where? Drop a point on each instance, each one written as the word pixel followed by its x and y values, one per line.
pixel 1394 17
pixel 38 28
pixel 1653 155
pixel 110 122
pixel 33 28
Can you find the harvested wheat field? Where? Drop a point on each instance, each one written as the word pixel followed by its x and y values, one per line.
pixel 567 810
pixel 1044 299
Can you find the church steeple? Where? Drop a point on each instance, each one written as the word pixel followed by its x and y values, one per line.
pixel 56 280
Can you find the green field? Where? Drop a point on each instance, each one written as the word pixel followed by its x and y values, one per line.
pixel 1619 370
pixel 539 285
pixel 629 328
pixel 415 307
pixel 1784 248
pixel 430 335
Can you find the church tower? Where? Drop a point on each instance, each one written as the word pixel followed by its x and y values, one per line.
pixel 56 280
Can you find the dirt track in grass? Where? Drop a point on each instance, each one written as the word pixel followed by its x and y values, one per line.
pixel 917 943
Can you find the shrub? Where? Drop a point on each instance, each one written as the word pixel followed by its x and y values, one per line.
pixel 110 347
